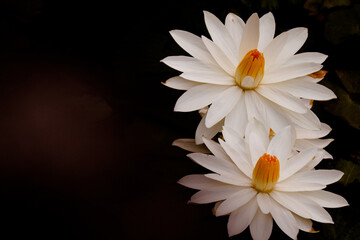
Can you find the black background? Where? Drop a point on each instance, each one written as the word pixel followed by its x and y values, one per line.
pixel 86 126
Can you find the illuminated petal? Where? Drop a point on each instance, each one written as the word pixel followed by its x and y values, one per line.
pixel 250 36
pixel 221 37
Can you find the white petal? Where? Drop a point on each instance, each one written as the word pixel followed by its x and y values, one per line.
pixel 193 45
pixel 296 37
pixel 320 155
pixel 235 201
pixel 307 120
pixel 286 72
pixel 203 131
pixel 190 145
pixel 214 164
pixel 266 111
pixel 254 106
pixel 198 97
pixel 290 185
pixel 219 56
pixel 273 49
pixel 327 155
pixel 281 145
pixel 261 226
pixel 326 199
pixel 250 36
pixel 180 83
pixel 222 105
pixel 299 87
pixel 238 145
pixel 237 118
pixel 322 176
pixel 234 139
pixel 205 196
pixel 189 64
pixel 221 37
pixel 287 200
pixel 216 149
pixel 302 206
pixel 313 57
pixel 302 133
pixel 282 98
pixel 297 162
pixel 213 77
pixel 264 202
pixel 200 182
pixel 239 180
pixel 240 160
pixel 235 25
pixel 303 223
pixel 302 144
pixel 267 30
pixel 240 219
pixel 284 219
pixel 257 137
pixel 307 102
pixel 274 114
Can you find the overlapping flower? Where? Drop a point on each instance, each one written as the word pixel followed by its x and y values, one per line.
pixel 257 92
pixel 244 72
pixel 255 180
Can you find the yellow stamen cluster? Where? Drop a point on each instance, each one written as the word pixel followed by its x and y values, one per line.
pixel 250 71
pixel 266 173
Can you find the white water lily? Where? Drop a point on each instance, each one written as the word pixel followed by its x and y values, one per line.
pixel 305 138
pixel 244 73
pixel 256 180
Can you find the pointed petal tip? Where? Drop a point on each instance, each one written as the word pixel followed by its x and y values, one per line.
pixel 164 59
pixel 209 123
pixel 207 12
pixel 176 108
pixel 179 108
pixel 230 14
pixel 269 14
pixel 231 232
pixel 217 214
pixel 173 32
pixel 302 29
pixel 174 142
pixel 180 181
pixel 254 15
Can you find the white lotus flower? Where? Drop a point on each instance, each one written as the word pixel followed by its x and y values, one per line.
pixel 305 138
pixel 244 72
pixel 255 181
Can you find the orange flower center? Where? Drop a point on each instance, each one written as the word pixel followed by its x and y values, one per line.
pixel 250 71
pixel 266 173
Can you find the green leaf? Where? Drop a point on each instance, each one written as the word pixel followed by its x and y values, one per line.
pixel 315 6
pixel 336 3
pixel 342 24
pixel 350 79
pixel 351 171
pixel 344 106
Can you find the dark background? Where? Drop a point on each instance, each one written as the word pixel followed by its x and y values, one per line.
pixel 86 126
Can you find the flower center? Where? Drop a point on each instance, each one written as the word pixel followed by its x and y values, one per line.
pixel 266 173
pixel 250 71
